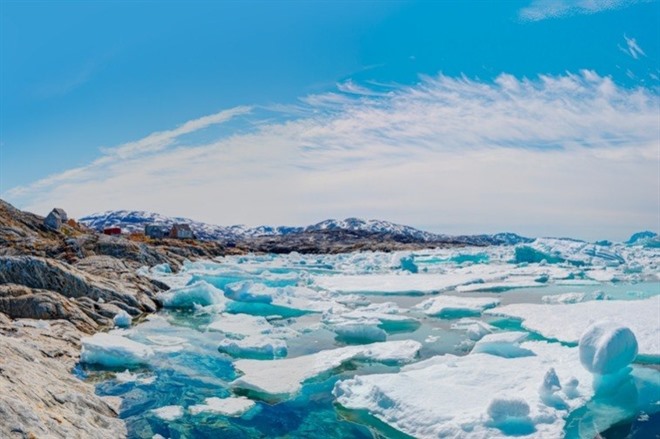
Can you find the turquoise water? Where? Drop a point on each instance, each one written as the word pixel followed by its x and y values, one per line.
pixel 187 367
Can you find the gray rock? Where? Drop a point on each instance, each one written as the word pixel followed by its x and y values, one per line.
pixel 55 219
pixel 39 397
pixel 17 301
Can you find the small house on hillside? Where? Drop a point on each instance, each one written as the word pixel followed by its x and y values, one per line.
pixel 156 231
pixel 181 231
pixel 112 231
pixel 55 219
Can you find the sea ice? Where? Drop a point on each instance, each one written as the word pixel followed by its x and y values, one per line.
pixel 285 377
pixel 232 406
pixel 503 344
pixel 113 351
pixel 240 325
pixel 474 396
pixel 364 330
pixel 254 346
pixel 564 298
pixel 200 293
pixel 567 322
pixel 475 329
pixel 169 412
pixel 453 306
pixel 395 283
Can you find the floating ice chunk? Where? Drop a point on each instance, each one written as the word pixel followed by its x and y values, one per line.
pixel 364 330
pixel 503 344
pixel 249 291
pixel 475 329
pixel 240 325
pixel 200 293
pixel 496 287
pixel 233 406
pixel 285 377
pixel 565 298
pixel 607 347
pixel 450 396
pixel 567 322
pixel 128 377
pixel 169 412
pixel 113 351
pixel 122 319
pixel 453 306
pixel 254 346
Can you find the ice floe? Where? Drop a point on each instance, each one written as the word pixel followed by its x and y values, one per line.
pixel 449 396
pixel 453 306
pixel 232 406
pixel 285 377
pixel 169 412
pixel 200 293
pixel 567 322
pixel 114 351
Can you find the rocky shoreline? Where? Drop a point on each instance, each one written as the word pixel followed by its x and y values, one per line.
pixel 58 286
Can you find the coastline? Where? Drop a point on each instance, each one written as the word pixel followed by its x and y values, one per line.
pixel 57 287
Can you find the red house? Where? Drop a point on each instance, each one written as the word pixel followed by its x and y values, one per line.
pixel 112 231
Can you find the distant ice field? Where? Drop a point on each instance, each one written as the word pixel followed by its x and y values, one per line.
pixel 464 342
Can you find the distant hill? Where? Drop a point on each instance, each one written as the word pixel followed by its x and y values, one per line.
pixel 131 221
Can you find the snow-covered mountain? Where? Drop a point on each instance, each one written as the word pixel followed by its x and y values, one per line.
pixel 135 220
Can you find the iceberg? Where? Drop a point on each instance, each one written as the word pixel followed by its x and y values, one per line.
pixel 567 322
pixel 114 351
pixel 198 294
pixel 607 347
pixel 281 378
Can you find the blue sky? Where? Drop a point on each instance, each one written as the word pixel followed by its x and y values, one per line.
pixel 82 80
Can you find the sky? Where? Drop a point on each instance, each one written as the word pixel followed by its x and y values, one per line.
pixel 534 116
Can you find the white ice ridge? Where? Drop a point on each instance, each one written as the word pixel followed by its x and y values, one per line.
pixel 254 346
pixel 285 377
pixel 114 350
pixel 441 305
pixel 232 406
pixel 200 293
pixel 567 322
pixel 475 396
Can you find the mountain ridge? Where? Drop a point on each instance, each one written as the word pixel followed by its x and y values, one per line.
pixel 135 220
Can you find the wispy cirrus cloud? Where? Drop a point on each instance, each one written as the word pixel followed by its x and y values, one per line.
pixel 544 9
pixel 572 155
pixel 632 48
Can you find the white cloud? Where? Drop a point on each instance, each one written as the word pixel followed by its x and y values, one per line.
pixel 557 155
pixel 545 9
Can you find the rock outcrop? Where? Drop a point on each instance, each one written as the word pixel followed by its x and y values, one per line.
pixel 39 396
